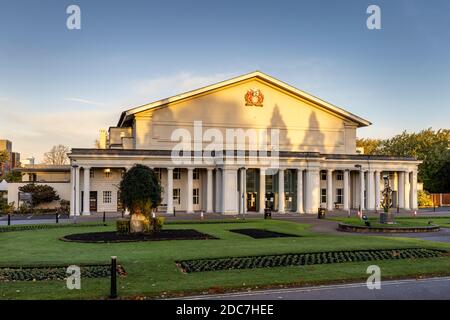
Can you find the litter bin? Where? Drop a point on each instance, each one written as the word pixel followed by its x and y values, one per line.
pixel 267 213
pixel 321 213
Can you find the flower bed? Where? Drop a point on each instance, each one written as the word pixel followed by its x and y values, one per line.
pixel 262 234
pixel 387 229
pixel 43 273
pixel 300 259
pixel 112 236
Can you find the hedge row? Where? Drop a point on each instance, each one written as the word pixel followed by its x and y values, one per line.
pixel 51 273
pixel 300 259
pixel 28 227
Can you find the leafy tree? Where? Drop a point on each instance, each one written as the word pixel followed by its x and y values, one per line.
pixel 57 155
pixel 140 190
pixel 12 176
pixel 40 193
pixel 432 147
pixel 371 146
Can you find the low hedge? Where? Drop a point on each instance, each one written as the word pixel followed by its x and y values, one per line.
pixel 43 273
pixel 300 259
pixel 30 227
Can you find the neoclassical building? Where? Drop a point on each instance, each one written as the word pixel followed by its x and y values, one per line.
pixel 308 158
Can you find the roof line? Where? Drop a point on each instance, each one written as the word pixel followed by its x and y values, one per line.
pixel 256 74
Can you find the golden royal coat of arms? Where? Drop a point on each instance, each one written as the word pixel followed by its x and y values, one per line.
pixel 254 97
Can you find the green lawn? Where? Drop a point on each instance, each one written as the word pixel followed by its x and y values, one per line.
pixel 400 221
pixel 152 271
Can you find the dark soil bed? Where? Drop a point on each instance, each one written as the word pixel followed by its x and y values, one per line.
pixel 301 259
pixel 262 234
pixel 102 237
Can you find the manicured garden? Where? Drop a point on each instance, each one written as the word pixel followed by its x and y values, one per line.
pixel 151 269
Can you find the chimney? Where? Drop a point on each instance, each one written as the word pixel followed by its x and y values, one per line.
pixel 103 139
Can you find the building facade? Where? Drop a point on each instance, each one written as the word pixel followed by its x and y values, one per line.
pixel 241 145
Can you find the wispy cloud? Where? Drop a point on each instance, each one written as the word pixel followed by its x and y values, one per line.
pixel 85 101
pixel 165 86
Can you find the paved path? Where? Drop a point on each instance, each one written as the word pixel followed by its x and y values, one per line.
pixel 423 289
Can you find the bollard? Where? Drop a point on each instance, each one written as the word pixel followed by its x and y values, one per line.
pixel 113 291
pixel 398 209
pixel 122 213
pixel 9 219
pixel 174 211
pixel 104 217
pixel 56 217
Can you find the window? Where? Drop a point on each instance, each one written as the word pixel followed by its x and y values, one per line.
pixel 177 173
pixel 340 175
pixel 323 175
pixel 106 196
pixel 91 173
pixel 340 196
pixel 196 196
pixel 176 196
pixel 196 174
pixel 323 195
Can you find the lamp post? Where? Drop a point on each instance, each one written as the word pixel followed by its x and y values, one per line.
pixel 243 192
pixel 74 166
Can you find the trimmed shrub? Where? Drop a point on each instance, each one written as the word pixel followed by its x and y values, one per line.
pixel 123 226
pixel 300 259
pixel 157 223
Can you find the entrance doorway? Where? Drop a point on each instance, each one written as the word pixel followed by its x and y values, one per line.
pixel 93 201
pixel 252 201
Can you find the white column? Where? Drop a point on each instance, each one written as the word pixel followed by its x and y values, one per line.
pixel 377 190
pixel 86 190
pixel 329 190
pixel 72 190
pixel 407 190
pixel 218 204
pixel 401 189
pixel 413 195
pixel 209 191
pixel 300 191
pixel 312 199
pixel 281 197
pixel 346 190
pixel 190 186
pixel 362 187
pixel 370 190
pixel 77 192
pixel 169 190
pixel 229 191
pixel 262 189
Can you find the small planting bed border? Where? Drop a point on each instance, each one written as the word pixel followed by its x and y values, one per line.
pixel 301 259
pixel 32 227
pixel 114 237
pixel 262 233
pixel 392 229
pixel 46 273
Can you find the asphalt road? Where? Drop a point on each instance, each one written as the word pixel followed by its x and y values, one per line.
pixel 423 289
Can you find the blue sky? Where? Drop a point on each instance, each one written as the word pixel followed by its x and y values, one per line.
pixel 62 86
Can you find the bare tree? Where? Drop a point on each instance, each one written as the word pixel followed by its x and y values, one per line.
pixel 57 155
